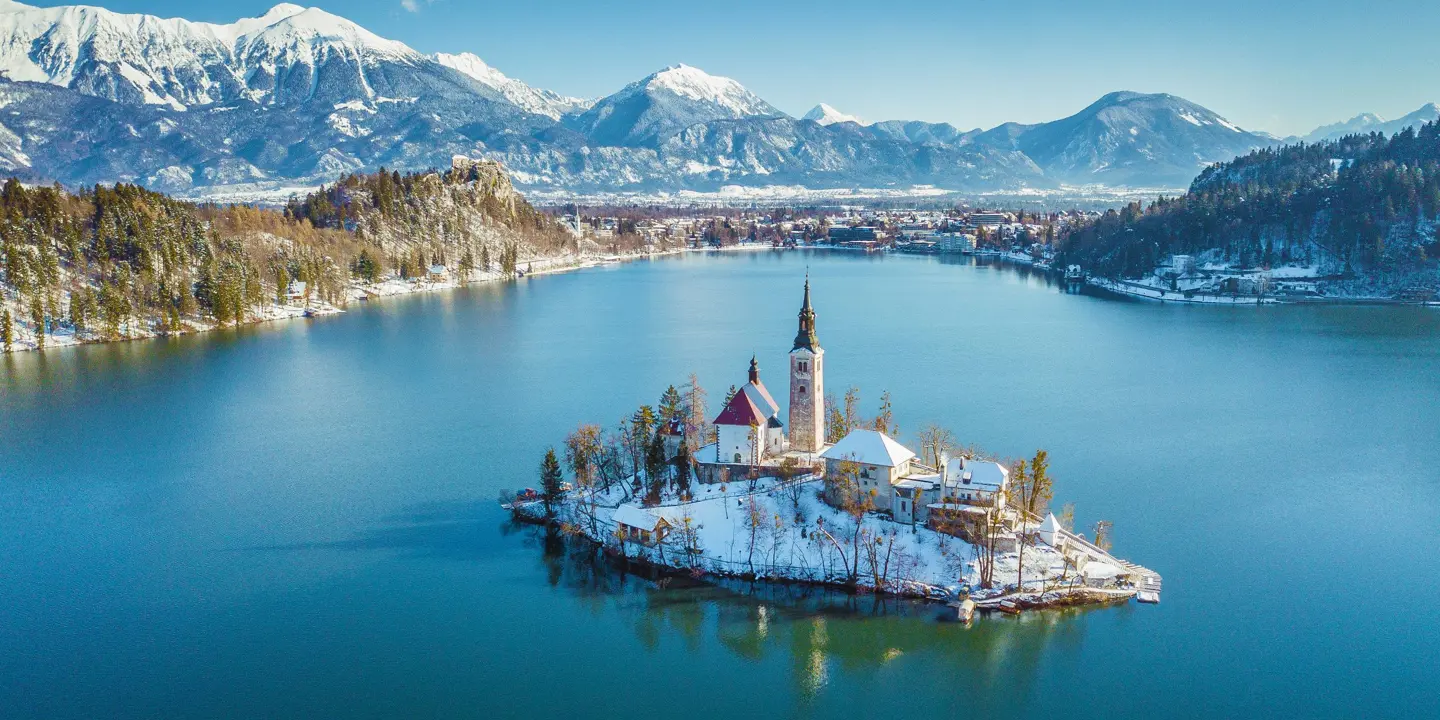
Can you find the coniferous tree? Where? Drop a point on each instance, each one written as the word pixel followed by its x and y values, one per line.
pixel 551 479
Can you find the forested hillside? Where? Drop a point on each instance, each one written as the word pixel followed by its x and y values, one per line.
pixel 1361 209
pixel 121 261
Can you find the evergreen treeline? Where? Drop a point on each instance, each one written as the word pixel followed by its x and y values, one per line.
pixel 123 261
pixel 1360 204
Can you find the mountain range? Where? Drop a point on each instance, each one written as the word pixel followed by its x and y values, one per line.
pixel 298 96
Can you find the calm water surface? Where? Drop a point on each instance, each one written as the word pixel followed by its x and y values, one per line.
pixel 299 520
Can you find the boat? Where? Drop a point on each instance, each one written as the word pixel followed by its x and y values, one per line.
pixel 1074 274
pixel 1008 607
pixel 1148 596
pixel 964 610
pixel 309 313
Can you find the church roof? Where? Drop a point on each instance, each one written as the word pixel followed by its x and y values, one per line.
pixel 741 410
pixel 761 397
pixel 870 447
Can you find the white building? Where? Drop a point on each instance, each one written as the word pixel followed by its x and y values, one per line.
pixel 870 459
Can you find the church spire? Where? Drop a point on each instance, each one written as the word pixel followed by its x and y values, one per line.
pixel 805 337
pixel 754 370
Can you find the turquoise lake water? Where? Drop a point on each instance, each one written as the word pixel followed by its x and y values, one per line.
pixel 299 520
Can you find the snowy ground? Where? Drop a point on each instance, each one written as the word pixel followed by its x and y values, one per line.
pixel 911 560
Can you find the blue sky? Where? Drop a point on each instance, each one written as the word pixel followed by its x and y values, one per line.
pixel 1284 67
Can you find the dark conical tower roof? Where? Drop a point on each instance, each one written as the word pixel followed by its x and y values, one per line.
pixel 805 337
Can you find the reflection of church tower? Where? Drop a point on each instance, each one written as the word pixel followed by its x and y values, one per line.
pixel 807 384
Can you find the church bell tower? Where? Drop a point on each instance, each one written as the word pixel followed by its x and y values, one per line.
pixel 807 384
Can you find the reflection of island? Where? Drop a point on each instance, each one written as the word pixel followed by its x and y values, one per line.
pixel 822 635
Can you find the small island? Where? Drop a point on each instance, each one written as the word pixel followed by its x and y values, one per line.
pixel 826 498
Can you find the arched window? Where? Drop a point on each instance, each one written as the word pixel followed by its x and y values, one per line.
pixel 737 458
pixel 802 389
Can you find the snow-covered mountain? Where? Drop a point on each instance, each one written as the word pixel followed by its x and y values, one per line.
pixel 288 55
pixel 88 95
pixel 662 104
pixel 1128 138
pixel 826 115
pixel 540 102
pixel 1370 122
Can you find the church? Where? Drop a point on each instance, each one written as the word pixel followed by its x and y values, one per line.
pixel 751 439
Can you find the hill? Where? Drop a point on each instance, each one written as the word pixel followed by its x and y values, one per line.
pixel 1360 212
pixel 113 262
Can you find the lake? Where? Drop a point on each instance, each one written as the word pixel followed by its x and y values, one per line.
pixel 299 519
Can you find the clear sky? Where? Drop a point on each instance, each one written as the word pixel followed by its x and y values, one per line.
pixel 1284 67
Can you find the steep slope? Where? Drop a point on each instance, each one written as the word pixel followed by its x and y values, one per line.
pixel 540 102
pixel 646 112
pixel 1128 138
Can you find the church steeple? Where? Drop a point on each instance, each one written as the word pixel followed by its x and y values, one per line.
pixel 807 383
pixel 805 337
pixel 754 370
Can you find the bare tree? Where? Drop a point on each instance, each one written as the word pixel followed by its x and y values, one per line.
pixel 757 523
pixel 583 455
pixel 697 427
pixel 936 443
pixel 1104 535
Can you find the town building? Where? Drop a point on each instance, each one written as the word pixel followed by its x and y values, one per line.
pixel 636 524
pixel 870 463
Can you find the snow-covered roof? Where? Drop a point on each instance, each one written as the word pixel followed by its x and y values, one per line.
pixel 761 397
pixel 982 475
pixel 637 517
pixel 870 447
pixel 1050 525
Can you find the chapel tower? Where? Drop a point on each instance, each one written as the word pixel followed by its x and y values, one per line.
pixel 807 384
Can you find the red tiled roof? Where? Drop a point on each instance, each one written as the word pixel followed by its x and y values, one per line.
pixel 741 411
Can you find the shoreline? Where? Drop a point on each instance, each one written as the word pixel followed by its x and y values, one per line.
pixel 353 293
pixel 940 568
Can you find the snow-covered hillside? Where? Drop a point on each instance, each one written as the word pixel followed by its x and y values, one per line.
pixel 540 102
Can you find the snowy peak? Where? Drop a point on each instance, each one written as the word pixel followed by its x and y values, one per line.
pixel 143 59
pixel 826 115
pixel 540 102
pixel 1128 138
pixel 699 86
pixel 1370 122
pixel 662 104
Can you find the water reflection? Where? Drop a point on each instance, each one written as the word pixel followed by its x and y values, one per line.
pixel 818 634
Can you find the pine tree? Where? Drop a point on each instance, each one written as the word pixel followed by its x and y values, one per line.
pixel 551 479
pixel 7 330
